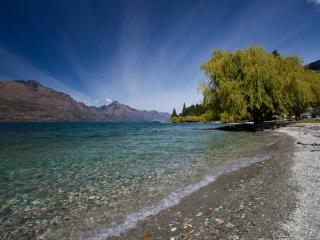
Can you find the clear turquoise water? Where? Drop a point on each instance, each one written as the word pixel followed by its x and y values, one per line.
pixel 70 180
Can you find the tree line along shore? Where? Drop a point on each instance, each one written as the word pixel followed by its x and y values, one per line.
pixel 255 85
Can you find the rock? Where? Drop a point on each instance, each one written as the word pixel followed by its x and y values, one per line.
pixel 147 237
pixel 85 190
pixel 187 226
pixel 241 206
pixel 199 214
pixel 219 221
pixel 177 213
pixel 229 225
pixel 173 229
pixel 31 189
pixel 233 237
pixel 9 223
pixel 33 234
pixel 16 234
pixel 2 209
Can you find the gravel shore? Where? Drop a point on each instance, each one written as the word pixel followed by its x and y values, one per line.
pixel 304 221
pixel 251 203
pixel 274 199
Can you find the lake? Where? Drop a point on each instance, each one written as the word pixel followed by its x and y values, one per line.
pixel 92 180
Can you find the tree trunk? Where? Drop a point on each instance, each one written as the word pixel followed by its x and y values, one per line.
pixel 258 120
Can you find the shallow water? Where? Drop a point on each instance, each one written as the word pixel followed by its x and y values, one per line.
pixel 72 180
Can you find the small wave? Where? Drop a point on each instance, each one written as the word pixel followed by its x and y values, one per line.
pixel 175 197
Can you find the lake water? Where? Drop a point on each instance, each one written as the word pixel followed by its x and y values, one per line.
pixel 92 180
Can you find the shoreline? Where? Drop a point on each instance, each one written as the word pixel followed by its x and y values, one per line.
pixel 304 221
pixel 248 203
pixel 174 198
pixel 269 192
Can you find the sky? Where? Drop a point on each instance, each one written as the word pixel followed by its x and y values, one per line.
pixel 146 54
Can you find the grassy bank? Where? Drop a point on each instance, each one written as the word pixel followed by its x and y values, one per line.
pixel 192 118
pixel 206 118
pixel 309 120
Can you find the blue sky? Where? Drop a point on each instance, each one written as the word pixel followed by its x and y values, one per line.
pixel 146 54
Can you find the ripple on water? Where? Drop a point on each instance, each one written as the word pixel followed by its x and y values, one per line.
pixel 75 178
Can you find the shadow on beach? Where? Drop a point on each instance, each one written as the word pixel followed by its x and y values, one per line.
pixel 250 127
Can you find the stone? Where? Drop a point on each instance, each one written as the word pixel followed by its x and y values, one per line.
pixel 147 237
pixel 219 221
pixel 9 223
pixel 187 226
pixel 233 237
pixel 229 225
pixel 199 214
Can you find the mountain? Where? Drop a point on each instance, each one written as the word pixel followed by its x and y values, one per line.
pixel 120 112
pixel 314 65
pixel 31 101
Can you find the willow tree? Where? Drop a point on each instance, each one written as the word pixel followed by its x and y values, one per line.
pixel 254 84
pixel 312 81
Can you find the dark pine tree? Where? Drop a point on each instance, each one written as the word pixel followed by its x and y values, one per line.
pixel 275 53
pixel 184 110
pixel 174 113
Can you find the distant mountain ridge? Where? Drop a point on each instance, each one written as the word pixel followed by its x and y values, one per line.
pixel 314 65
pixel 31 101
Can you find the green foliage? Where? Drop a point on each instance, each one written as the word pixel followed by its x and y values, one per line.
pixel 193 113
pixel 195 110
pixel 309 120
pixel 275 53
pixel 184 110
pixel 252 84
pixel 312 82
pixel 192 118
pixel 174 113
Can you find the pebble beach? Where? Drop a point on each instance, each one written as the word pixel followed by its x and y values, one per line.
pixel 277 198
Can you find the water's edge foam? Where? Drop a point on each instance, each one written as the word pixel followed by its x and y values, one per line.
pixel 175 197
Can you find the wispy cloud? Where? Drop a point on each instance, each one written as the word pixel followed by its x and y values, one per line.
pixel 147 54
pixel 317 2
pixel 100 102
pixel 14 67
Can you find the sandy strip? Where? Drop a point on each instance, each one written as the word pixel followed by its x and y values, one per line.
pixel 304 221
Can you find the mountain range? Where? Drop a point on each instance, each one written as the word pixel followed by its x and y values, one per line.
pixel 314 65
pixel 31 101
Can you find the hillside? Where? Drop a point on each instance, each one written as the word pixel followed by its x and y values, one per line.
pixel 31 101
pixel 120 112
pixel 314 65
